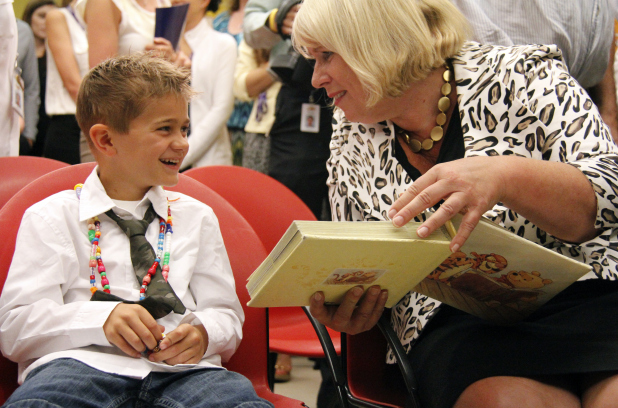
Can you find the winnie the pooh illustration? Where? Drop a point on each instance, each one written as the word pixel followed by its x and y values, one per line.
pixel 514 289
pixel 458 263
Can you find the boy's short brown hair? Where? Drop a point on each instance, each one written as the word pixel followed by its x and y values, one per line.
pixel 117 90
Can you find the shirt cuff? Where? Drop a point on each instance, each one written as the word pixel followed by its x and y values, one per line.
pixel 88 323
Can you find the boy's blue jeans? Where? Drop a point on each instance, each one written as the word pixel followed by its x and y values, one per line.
pixel 69 383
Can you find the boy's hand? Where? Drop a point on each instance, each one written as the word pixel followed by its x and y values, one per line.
pixel 132 329
pixel 184 345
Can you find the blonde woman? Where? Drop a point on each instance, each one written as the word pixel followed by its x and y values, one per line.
pixel 424 118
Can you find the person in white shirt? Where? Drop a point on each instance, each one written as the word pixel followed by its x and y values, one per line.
pixel 74 350
pixel 213 58
pixel 9 124
pixel 67 63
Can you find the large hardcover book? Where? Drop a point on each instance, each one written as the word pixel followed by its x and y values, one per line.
pixel 496 275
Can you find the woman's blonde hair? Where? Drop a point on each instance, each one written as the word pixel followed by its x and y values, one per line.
pixel 388 43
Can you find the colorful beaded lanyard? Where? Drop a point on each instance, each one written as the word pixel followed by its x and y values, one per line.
pixel 164 246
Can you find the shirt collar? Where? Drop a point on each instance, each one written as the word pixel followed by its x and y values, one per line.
pixel 94 200
pixel 198 34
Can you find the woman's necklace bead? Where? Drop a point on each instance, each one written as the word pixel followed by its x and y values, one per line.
pixel 437 133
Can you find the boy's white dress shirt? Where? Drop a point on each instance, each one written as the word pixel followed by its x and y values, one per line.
pixel 45 312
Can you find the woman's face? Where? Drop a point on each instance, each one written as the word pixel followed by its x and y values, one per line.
pixel 38 21
pixel 341 83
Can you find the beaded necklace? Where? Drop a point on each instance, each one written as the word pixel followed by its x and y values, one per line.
pixel 444 103
pixel 164 246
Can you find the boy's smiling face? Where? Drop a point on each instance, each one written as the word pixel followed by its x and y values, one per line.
pixel 151 153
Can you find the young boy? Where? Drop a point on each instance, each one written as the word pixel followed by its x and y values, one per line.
pixel 70 312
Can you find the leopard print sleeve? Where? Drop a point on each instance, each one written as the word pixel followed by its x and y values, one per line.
pixel 337 188
pixel 522 101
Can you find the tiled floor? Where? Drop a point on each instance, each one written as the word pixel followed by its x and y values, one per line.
pixel 304 384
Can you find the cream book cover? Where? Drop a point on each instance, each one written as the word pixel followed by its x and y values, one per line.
pixel 496 275
pixel 334 256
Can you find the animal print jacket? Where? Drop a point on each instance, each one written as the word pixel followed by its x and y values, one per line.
pixel 512 101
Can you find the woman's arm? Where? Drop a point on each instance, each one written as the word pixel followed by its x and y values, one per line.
pixel 255 32
pixel 61 48
pixel 258 80
pixel 249 78
pixel 605 96
pixel 103 19
pixel 562 179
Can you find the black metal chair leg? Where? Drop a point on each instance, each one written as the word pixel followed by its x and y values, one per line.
pixel 331 358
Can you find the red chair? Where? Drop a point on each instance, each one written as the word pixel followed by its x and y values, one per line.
pixel 270 207
pixel 16 172
pixel 359 375
pixel 244 248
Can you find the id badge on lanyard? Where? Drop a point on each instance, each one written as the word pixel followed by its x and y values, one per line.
pixel 310 117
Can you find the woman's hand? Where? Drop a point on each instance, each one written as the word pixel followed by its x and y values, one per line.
pixel 350 316
pixel 162 48
pixel 556 197
pixel 470 186
pixel 288 22
pixel 184 345
pixel 182 60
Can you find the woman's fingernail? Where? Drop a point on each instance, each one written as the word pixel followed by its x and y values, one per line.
pixel 392 213
pixel 398 221
pixel 422 232
pixel 455 248
pixel 317 297
pixel 357 291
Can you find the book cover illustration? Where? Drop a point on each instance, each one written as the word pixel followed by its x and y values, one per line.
pixel 500 280
pixel 343 276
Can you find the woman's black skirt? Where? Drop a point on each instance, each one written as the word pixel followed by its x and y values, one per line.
pixel 574 333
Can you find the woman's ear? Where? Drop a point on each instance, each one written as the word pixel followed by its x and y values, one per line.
pixel 102 139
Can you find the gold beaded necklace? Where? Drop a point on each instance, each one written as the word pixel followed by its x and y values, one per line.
pixel 437 133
